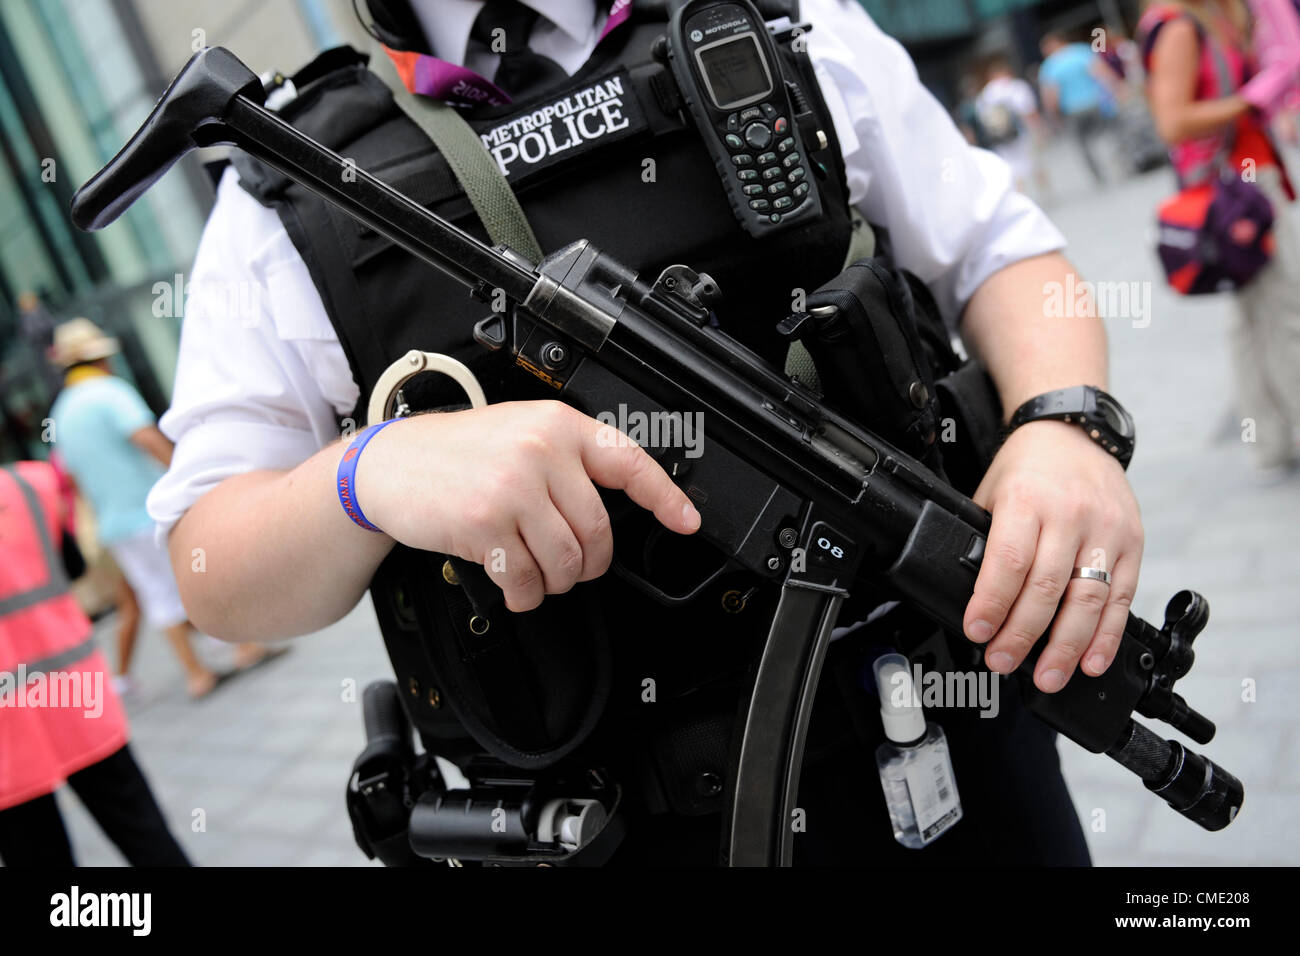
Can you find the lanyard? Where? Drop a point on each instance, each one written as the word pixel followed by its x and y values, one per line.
pixel 430 76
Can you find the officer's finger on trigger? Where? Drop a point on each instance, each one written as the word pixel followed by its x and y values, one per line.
pixel 615 461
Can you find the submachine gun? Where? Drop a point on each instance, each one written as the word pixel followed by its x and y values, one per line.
pixel 783 476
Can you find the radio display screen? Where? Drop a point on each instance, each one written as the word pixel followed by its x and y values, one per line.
pixel 734 71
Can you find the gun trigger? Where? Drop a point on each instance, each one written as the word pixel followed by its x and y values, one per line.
pixel 491 332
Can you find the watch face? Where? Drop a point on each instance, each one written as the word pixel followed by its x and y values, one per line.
pixel 1116 418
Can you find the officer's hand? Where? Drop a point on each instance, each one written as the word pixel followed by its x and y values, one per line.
pixel 1058 502
pixel 510 487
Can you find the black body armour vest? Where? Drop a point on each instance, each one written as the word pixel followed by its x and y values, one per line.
pixel 604 667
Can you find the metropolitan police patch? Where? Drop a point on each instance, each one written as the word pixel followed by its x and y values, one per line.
pixel 595 112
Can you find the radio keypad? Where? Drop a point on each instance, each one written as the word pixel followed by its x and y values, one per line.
pixel 761 127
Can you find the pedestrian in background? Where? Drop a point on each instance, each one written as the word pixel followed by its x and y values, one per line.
pixel 59 718
pixel 1008 109
pixel 1073 94
pixel 111 445
pixel 1277 40
pixel 1186 47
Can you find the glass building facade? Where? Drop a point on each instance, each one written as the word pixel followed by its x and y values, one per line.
pixel 77 77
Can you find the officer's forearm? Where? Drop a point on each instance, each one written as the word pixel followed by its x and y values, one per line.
pixel 1034 332
pixel 271 554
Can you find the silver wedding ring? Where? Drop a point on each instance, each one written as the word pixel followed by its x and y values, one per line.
pixel 1092 574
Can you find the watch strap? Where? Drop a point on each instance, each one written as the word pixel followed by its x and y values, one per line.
pixel 1076 405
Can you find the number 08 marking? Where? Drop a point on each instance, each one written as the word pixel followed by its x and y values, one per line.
pixel 835 550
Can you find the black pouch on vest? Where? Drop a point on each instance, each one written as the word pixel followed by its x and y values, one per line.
pixel 861 330
pixel 884 358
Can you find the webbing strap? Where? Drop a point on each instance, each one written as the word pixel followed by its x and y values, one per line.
pixel 58 583
pixel 470 162
pixel 799 363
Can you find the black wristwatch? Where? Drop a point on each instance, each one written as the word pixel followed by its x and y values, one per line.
pixel 1104 419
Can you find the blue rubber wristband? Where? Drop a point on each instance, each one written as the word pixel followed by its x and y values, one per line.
pixel 346 481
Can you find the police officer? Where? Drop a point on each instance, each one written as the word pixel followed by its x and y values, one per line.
pixel 263 382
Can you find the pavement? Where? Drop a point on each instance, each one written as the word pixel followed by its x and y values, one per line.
pixel 255 774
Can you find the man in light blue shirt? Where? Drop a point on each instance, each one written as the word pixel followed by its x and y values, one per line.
pixel 102 429
pixel 1071 91
pixel 107 439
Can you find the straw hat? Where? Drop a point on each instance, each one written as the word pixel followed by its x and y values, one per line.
pixel 80 340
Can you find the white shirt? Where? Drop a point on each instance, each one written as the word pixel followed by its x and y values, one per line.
pixel 261 377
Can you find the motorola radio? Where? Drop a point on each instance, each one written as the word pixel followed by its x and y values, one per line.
pixel 727 68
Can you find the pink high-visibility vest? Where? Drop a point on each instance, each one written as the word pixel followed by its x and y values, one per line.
pixel 58 711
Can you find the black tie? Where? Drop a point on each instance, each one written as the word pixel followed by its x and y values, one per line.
pixel 521 72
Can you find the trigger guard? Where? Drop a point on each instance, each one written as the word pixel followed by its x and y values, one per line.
pixel 661 596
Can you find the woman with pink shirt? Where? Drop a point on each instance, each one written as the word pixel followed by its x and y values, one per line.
pixel 1213 122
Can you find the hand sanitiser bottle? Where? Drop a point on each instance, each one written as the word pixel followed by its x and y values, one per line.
pixel 915 770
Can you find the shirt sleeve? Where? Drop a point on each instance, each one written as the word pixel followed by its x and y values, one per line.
pixel 261 380
pixel 952 210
